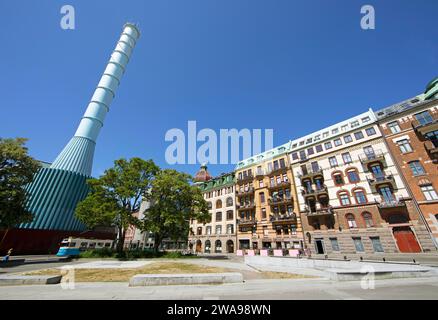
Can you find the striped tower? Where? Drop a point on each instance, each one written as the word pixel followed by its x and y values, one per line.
pixel 56 190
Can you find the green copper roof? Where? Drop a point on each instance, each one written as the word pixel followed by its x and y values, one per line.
pixel 431 89
pixel 223 180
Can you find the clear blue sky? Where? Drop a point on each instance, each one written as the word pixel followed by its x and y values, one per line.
pixel 294 66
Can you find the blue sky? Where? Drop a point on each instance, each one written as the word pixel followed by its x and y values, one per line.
pixel 293 66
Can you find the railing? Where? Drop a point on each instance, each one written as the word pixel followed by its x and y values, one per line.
pixel 431 147
pixel 377 155
pixel 275 170
pixel 319 210
pixel 310 173
pixel 279 184
pixel 245 178
pixel 284 217
pixel 246 221
pixel 245 206
pixel 279 200
pixel 259 172
pixel 312 192
pixel 391 203
pixel 245 191
pixel 380 178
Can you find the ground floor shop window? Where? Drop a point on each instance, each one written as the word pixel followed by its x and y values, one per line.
pixel 377 245
pixel 358 244
pixel 335 244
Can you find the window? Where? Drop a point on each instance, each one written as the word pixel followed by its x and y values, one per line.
pixel 263 213
pixel 348 139
pixel 353 176
pixel 338 179
pixel 218 229
pixel 229 202
pixel 209 205
pixel 230 229
pixel 208 230
pixel 394 127
pixel 294 156
pixel 310 151
pixel 370 131
pixel 337 142
pixel 358 135
pixel 261 184
pixel 360 197
pixel 335 131
pixel 354 124
pixel 218 204
pixel 351 221
pixel 333 162
pixel 417 168
pixel 199 231
pixel 429 192
pixel 344 198
pixel 368 219
pixel 262 197
pixel 404 146
pixel 358 244
pixel 347 158
pixel 377 245
pixel 328 145
pixel 218 216
pixel 282 165
pixel 265 231
pixel 318 148
pixel 303 155
pixel 230 215
pixel 335 244
pixel 424 117
pixel 386 194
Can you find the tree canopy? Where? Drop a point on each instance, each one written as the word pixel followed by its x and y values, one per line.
pixel 17 169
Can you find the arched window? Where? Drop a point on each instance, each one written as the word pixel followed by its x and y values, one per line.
pixel 229 202
pixel 359 195
pixel 218 246
pixel 353 175
pixel 218 204
pixel 209 205
pixel 344 198
pixel 368 219
pixel 207 246
pixel 337 178
pixel 351 221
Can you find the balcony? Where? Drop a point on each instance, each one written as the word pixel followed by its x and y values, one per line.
pixel 245 206
pixel 377 156
pixel 431 148
pixel 246 222
pixel 276 170
pixel 318 211
pixel 310 174
pixel 280 200
pixel 259 173
pixel 375 181
pixel 278 185
pixel 245 179
pixel 283 218
pixel 245 191
pixel 314 192
pixel 391 203
pixel 423 127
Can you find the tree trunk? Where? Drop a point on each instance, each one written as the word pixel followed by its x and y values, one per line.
pixel 3 238
pixel 157 242
pixel 121 240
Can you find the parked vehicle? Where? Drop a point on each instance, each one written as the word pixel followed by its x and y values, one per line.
pixel 73 246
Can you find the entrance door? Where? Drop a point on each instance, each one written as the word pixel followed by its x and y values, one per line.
pixel 230 246
pixel 319 246
pixel 406 240
pixel 198 246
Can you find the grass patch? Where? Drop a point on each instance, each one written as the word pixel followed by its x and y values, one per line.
pixel 123 275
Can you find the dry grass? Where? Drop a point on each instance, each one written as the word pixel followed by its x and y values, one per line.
pixel 123 275
pixel 282 275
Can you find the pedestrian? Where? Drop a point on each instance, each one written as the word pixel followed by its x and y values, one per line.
pixel 6 257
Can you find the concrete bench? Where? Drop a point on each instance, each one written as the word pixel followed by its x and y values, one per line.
pixel 15 280
pixel 140 280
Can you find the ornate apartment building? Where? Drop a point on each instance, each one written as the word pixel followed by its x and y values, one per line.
pixel 350 195
pixel 219 235
pixel 411 132
pixel 267 215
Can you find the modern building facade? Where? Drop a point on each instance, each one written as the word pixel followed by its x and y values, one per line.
pixel 266 202
pixel 56 190
pixel 410 129
pixel 218 235
pixel 352 199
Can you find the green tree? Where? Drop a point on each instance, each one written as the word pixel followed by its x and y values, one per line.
pixel 173 201
pixel 17 169
pixel 116 195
